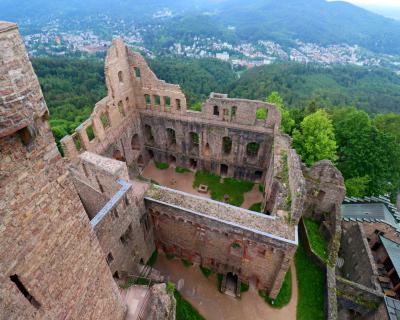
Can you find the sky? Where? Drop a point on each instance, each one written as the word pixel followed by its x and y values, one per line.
pixel 378 3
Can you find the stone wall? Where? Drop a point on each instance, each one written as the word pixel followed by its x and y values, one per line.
pixel 359 265
pixel 122 224
pixel 52 266
pixel 222 246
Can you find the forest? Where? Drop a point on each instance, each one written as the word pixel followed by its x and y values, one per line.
pixel 349 115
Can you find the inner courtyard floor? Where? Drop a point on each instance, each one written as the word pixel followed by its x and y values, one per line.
pixel 204 295
pixel 184 182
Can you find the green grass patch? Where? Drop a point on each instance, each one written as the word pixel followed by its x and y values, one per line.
pixel 256 207
pixel 261 188
pixel 233 188
pixel 143 281
pixel 207 272
pixel 161 165
pixel 153 259
pixel 184 310
pixel 317 241
pixel 284 294
pixel 244 287
pixel 187 263
pixel 181 170
pixel 310 281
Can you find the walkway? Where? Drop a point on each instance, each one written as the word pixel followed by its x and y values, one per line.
pixel 203 294
pixel 134 297
pixel 184 182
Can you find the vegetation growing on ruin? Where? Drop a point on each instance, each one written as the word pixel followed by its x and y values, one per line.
pixel 187 263
pixel 207 272
pixel 256 207
pixel 153 259
pixel 284 295
pixel 368 146
pixel 261 113
pixel 231 189
pixel 317 241
pixel 244 287
pixel 310 282
pixel 161 165
pixel 181 169
pixel 184 310
pixel 170 256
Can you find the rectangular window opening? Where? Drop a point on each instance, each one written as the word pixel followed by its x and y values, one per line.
pixel 14 278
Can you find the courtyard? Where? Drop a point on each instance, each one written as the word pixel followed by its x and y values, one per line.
pixel 203 294
pixel 240 193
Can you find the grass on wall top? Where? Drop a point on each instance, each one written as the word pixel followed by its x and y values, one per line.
pixel 317 241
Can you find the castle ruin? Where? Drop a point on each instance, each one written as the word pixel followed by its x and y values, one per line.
pixel 70 226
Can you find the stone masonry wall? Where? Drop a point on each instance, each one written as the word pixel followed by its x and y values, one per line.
pixel 124 232
pixel 46 244
pixel 221 247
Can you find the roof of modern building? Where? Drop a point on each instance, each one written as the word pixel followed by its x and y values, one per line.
pixel 371 209
pixel 393 250
pixel 393 308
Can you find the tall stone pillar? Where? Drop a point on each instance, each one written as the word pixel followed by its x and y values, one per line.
pixel 51 264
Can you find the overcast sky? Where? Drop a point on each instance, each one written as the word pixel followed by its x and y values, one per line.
pixel 378 3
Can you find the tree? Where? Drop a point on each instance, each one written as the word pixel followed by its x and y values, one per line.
pixel 366 151
pixel 357 187
pixel 316 140
pixel 287 121
pixel 389 123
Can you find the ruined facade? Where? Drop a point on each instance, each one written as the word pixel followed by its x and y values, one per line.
pixel 78 229
pixel 144 119
pixel 51 263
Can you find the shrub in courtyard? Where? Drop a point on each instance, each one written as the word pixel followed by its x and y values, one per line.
pixel 153 259
pixel 161 165
pixel 187 263
pixel 184 310
pixel 207 272
pixel 181 170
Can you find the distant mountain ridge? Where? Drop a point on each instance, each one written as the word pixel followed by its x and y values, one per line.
pixel 315 21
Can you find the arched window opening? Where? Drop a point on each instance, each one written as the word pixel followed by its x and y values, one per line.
pixel 167 102
pixel 147 98
pixel 105 121
pixel 127 102
pixel 157 100
pixel 117 155
pixel 261 113
pixel 120 77
pixel 224 170
pixel 207 150
pixel 252 149
pixel 135 144
pixel 172 160
pixel 148 133
pixel 216 111
pixel 226 145
pixel 151 154
pixel 258 176
pixel 233 113
pixel 193 163
pixel 178 104
pixel 171 137
pixel 194 140
pixel 90 133
pixel 137 73
pixel 121 108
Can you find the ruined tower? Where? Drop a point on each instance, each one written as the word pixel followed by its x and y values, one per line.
pixel 51 264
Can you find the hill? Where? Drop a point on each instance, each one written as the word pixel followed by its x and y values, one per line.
pixel 374 90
